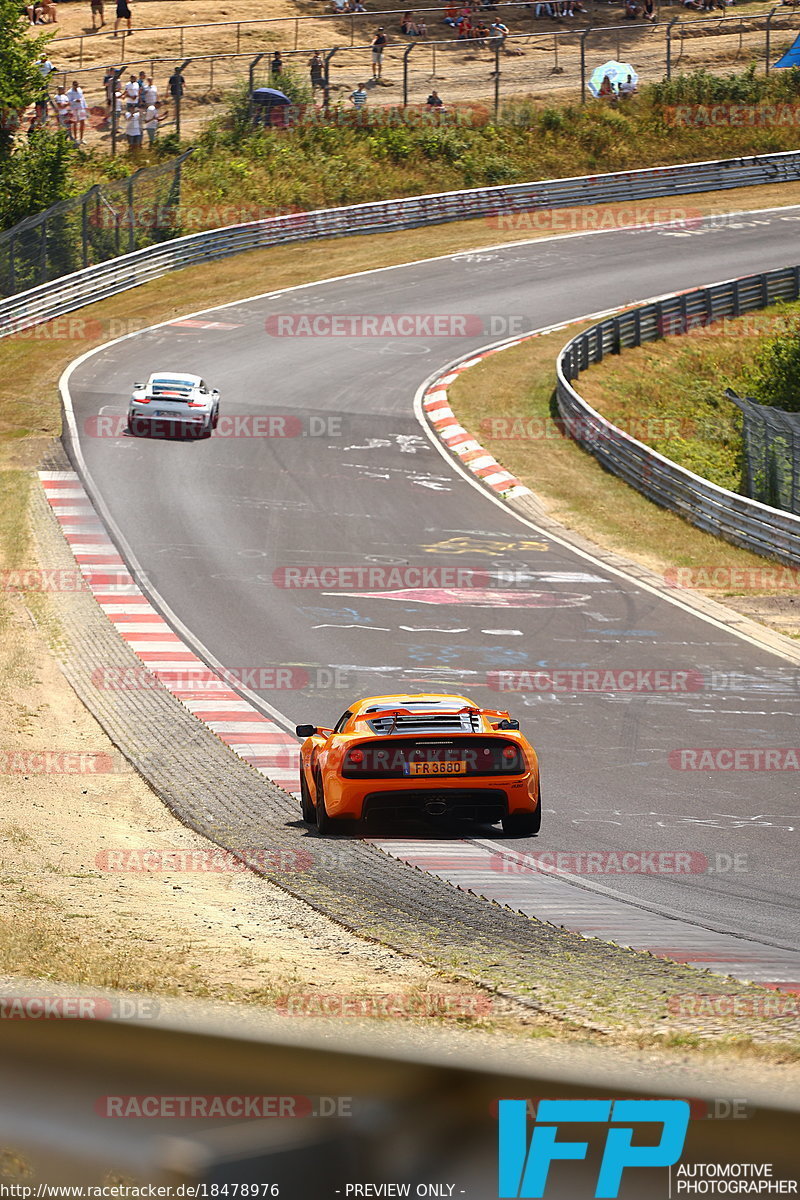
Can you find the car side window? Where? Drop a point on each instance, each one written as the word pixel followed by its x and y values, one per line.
pixel 340 724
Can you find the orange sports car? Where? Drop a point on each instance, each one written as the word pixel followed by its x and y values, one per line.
pixel 428 755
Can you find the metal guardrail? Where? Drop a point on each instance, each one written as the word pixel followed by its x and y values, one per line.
pixel 745 522
pixel 366 1106
pixel 497 204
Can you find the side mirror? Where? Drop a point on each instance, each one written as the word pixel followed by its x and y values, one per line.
pixel 305 731
pixel 138 387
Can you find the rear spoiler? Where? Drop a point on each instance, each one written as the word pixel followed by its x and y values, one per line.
pixel 490 713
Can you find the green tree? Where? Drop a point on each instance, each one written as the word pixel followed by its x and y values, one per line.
pixel 21 81
pixel 775 375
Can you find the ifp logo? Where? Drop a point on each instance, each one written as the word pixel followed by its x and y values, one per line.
pixel 524 1168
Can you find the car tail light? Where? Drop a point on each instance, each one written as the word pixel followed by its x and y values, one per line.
pixel 141 399
pixel 195 404
pixel 355 756
pixel 509 752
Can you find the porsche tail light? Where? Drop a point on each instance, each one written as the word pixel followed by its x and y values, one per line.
pixel 355 756
pixel 509 752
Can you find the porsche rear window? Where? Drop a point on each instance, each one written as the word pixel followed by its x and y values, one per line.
pixel 159 386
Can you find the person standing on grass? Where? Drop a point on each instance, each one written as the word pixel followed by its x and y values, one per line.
pixel 108 86
pixel 176 84
pixel 132 92
pixel 276 66
pixel 141 79
pixel 359 97
pixel 123 14
pixel 62 107
pixel 98 10
pixel 316 69
pixel 80 111
pixel 133 130
pixel 378 47
pixel 152 116
pixel 149 93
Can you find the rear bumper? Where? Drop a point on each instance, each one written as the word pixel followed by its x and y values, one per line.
pixel 460 799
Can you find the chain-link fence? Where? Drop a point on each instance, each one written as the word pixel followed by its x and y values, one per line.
pixel 482 69
pixel 108 220
pixel 771 453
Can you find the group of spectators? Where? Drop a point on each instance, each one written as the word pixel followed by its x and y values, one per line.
pixel 134 105
pixel 137 104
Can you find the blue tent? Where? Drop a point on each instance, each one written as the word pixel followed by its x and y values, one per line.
pixel 792 56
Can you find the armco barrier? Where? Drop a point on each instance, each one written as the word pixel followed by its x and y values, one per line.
pixel 745 522
pixel 56 298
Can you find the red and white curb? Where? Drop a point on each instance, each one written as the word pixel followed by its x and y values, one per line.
pixel 460 441
pixel 206 693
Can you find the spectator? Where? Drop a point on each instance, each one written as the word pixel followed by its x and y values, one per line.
pixel 132 91
pixel 63 111
pixel 98 10
pixel 408 25
pixel 649 10
pixel 151 119
pixel 176 84
pixel 148 92
pixel 543 9
pixel 378 47
pixel 434 101
pixel 141 79
pixel 316 69
pixel 358 7
pixel 79 110
pixel 276 66
pixel 48 12
pixel 631 10
pixel 123 14
pixel 133 130
pixel 499 33
pixel 359 97
pixel 480 33
pixel 464 28
pixel 45 67
pixel 628 88
pixel 451 16
pixel 108 86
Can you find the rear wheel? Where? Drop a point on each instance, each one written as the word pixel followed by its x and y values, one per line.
pixel 306 807
pixel 524 824
pixel 324 822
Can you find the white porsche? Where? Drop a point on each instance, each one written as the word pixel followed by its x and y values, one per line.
pixel 173 403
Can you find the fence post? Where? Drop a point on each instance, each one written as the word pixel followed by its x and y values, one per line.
pixel 238 36
pixel 43 254
pixel 180 50
pixel 497 81
pixel 253 66
pixel 352 31
pixel 770 15
pixel 131 220
pixel 296 32
pixel 12 266
pixel 85 230
pixel 179 97
pixel 326 90
pixel 584 35
pixel 405 74
pixel 114 113
pixel 674 21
